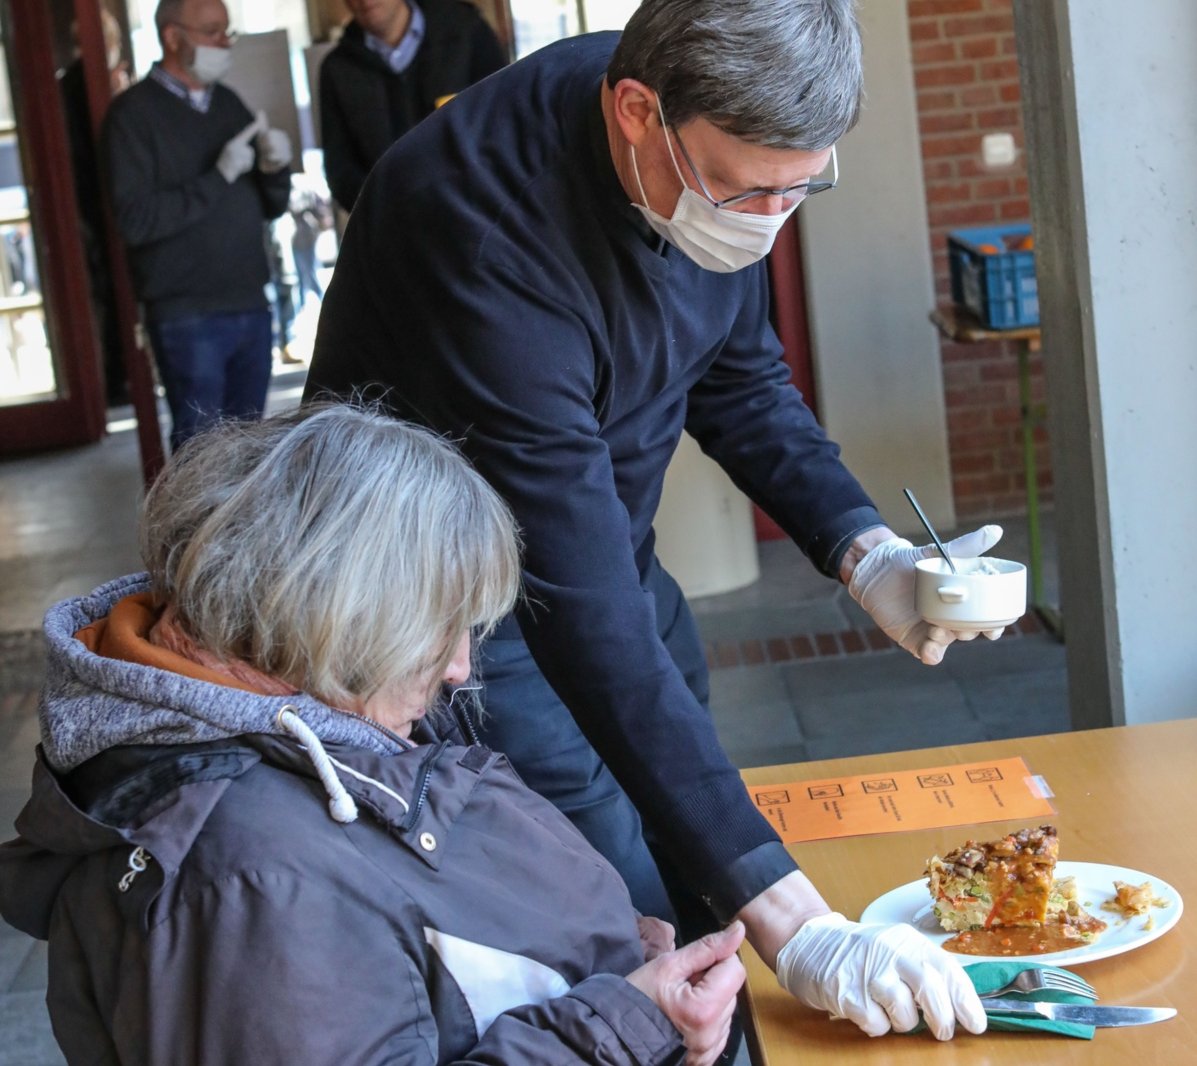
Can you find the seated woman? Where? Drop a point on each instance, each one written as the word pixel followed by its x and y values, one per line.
pixel 257 833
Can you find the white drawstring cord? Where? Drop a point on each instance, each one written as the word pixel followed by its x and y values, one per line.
pixel 463 688
pixel 340 803
pixel 368 780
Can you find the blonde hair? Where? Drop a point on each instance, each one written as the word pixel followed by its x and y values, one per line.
pixel 334 548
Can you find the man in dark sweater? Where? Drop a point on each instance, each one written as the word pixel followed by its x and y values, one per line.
pixel 396 63
pixel 562 270
pixel 194 177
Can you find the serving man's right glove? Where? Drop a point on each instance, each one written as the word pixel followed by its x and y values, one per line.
pixel 883 584
pixel 878 976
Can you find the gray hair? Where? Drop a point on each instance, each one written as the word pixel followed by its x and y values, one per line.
pixel 780 73
pixel 334 548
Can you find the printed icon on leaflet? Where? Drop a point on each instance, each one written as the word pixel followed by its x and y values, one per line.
pixel 983 774
pixel 935 780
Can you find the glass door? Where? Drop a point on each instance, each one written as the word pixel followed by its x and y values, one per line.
pixel 50 387
pixel 26 369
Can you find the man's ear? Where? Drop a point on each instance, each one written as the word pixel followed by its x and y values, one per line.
pixel 171 39
pixel 635 108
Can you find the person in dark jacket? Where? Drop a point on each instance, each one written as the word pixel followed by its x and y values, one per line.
pixel 564 270
pixel 260 831
pixel 194 177
pixel 397 61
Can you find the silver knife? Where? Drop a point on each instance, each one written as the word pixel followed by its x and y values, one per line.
pixel 1079 1012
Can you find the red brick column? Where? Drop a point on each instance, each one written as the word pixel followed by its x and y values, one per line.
pixel 966 77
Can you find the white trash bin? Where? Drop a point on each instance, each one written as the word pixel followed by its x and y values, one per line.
pixel 705 534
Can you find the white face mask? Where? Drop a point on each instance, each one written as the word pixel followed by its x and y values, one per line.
pixel 715 238
pixel 210 64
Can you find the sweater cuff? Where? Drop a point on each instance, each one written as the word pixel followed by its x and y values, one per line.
pixel 742 880
pixel 828 547
pixel 638 1022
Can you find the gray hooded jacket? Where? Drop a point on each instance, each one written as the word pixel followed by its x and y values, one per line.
pixel 225 877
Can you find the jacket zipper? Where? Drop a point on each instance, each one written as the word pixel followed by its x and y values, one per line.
pixel 423 783
pixel 406 745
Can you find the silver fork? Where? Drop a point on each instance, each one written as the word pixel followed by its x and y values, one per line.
pixel 1033 980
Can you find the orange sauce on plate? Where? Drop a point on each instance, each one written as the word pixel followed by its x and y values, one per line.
pixel 1026 939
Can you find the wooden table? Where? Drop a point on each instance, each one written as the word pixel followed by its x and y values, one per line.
pixel 1124 796
pixel 959 324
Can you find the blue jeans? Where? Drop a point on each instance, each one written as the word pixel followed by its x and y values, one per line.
pixel 212 366
pixel 527 721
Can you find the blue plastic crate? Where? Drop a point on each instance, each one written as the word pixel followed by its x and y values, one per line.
pixel 998 287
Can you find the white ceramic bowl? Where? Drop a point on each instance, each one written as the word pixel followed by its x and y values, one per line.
pixel 985 593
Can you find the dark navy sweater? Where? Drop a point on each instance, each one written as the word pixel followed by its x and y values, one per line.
pixel 196 243
pixel 496 285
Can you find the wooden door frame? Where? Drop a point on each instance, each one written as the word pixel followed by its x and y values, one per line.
pixel 135 353
pixel 76 415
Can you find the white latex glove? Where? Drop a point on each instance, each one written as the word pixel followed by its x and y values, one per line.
pixel 878 976
pixel 274 147
pixel 883 584
pixel 237 156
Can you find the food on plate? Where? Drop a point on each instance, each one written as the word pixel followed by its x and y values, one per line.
pixel 999 882
pixel 1130 900
pixel 1001 897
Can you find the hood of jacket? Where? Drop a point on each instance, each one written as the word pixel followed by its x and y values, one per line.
pixel 136 756
pixel 90 704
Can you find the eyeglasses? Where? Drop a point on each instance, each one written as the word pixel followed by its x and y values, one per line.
pixel 211 33
pixel 791 195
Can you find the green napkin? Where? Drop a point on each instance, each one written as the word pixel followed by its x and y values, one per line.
pixel 990 976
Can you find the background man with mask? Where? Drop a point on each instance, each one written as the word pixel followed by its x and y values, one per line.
pixel 193 177
pixel 561 270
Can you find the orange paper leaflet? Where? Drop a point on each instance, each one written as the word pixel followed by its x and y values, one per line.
pixel 990 791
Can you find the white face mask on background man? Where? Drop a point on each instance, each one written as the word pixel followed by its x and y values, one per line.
pixel 209 64
pixel 715 238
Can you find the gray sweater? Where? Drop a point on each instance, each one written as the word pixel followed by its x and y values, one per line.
pixel 209 898
pixel 196 243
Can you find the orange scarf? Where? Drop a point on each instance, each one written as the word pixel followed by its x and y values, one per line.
pixel 136 631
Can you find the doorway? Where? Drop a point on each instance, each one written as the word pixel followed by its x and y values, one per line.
pixel 50 385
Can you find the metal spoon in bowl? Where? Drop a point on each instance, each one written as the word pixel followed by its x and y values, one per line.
pixel 927 526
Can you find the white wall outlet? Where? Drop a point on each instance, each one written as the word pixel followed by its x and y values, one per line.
pixel 997 149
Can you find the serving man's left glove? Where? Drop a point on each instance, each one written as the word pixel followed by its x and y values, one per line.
pixel 878 976
pixel 883 584
pixel 273 145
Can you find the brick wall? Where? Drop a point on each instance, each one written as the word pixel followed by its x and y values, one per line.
pixel 966 78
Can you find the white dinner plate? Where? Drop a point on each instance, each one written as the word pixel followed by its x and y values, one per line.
pixel 911 903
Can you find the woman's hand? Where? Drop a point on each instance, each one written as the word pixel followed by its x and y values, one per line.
pixel 695 987
pixel 656 936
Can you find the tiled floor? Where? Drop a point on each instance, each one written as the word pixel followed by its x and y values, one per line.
pixel 787 684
